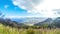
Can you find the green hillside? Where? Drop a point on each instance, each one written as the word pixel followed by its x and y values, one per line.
pixel 10 30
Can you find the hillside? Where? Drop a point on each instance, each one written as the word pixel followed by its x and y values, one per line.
pixel 47 21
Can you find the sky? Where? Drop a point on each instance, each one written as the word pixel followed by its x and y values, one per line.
pixel 30 8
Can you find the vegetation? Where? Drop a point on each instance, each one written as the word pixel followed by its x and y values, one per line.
pixel 9 30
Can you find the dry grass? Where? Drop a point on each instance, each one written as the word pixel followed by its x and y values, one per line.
pixel 9 30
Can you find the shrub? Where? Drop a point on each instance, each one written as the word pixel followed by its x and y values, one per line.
pixel 30 31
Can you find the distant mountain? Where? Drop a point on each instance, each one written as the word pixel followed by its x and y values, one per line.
pixel 27 21
pixel 22 22
pixel 30 21
pixel 36 21
pixel 47 21
pixel 9 22
pixel 57 20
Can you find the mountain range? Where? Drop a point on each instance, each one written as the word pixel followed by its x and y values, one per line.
pixel 35 20
pixel 29 21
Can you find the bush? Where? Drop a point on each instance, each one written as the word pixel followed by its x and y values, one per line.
pixel 30 31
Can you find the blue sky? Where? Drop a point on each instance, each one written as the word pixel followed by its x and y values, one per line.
pixel 30 8
pixel 8 9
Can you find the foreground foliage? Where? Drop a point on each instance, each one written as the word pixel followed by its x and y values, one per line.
pixel 10 30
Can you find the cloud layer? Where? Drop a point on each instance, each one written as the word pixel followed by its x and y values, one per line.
pixel 26 4
pixel 42 7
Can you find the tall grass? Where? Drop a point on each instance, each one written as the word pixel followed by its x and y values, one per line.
pixel 9 30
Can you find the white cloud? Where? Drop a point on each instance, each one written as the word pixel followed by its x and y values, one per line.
pixel 43 7
pixel 25 4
